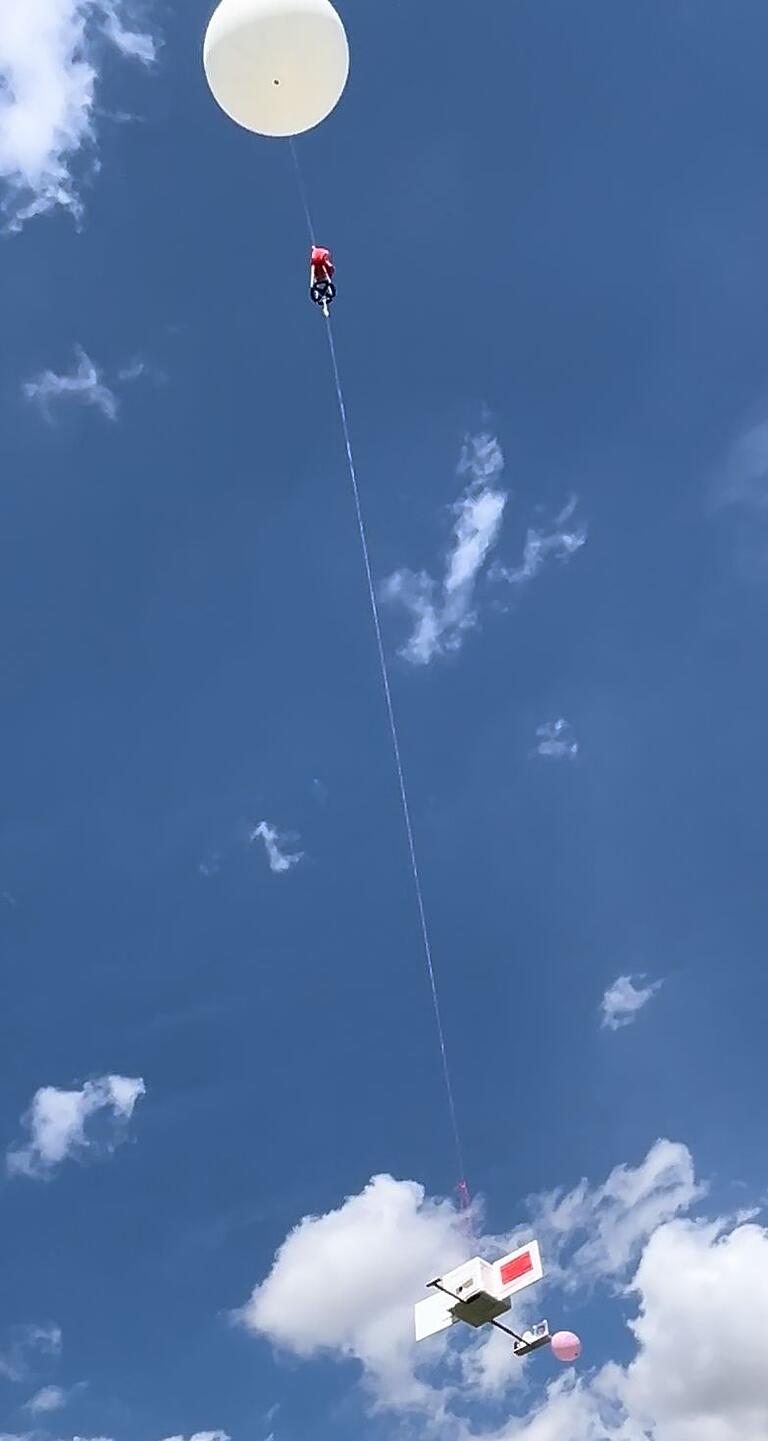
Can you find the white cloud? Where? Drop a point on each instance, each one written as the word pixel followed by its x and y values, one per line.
pixel 559 542
pixel 443 612
pixel 49 50
pixel 49 1398
pixel 346 1282
pixel 280 861
pixel 133 44
pixel 623 1000
pixel 56 1122
pixel 556 740
pixel 52 1398
pixel 24 1345
pixel 699 1374
pixel 616 1217
pixel 85 383
pixel 201 1436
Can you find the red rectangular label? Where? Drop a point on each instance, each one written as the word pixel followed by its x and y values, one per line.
pixel 517 1267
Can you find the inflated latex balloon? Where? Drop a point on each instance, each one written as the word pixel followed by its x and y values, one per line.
pixel 277 67
pixel 566 1346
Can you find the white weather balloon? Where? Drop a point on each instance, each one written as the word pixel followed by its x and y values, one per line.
pixel 277 67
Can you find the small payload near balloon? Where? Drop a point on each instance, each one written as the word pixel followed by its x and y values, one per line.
pixel 276 67
pixel 479 1292
pixel 321 273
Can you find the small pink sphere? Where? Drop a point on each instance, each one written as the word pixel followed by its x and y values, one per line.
pixel 566 1346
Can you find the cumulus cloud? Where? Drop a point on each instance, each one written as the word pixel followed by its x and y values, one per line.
pixel 623 1000
pixel 699 1374
pixel 345 1283
pixel 279 859
pixel 24 1346
pixel 443 611
pixel 85 384
pixel 57 1120
pixel 557 542
pixel 556 741
pixel 49 56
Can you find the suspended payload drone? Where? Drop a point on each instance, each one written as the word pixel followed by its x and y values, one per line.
pixel 478 1292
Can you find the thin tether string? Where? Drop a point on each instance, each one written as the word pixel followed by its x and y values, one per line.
pixel 302 189
pixel 462 1184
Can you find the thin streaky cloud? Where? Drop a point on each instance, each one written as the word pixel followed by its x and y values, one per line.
pixel 24 1346
pixel 85 384
pixel 443 611
pixel 557 542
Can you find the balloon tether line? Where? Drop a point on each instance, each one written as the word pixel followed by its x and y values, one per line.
pixel 463 1190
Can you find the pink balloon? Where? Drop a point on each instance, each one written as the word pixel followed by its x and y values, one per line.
pixel 566 1346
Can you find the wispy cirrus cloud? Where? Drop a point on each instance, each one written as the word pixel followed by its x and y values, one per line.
pixel 555 740
pixel 280 859
pixel 556 542
pixel 51 1398
pixel 443 611
pixel 57 1123
pixel 23 1347
pixel 595 1233
pixel 623 1000
pixel 84 384
pixel 50 51
pixel 743 479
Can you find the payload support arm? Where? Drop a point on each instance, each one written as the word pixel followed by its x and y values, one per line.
pixel 478 1293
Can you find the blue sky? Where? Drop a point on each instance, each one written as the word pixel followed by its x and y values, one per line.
pixel 550 222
